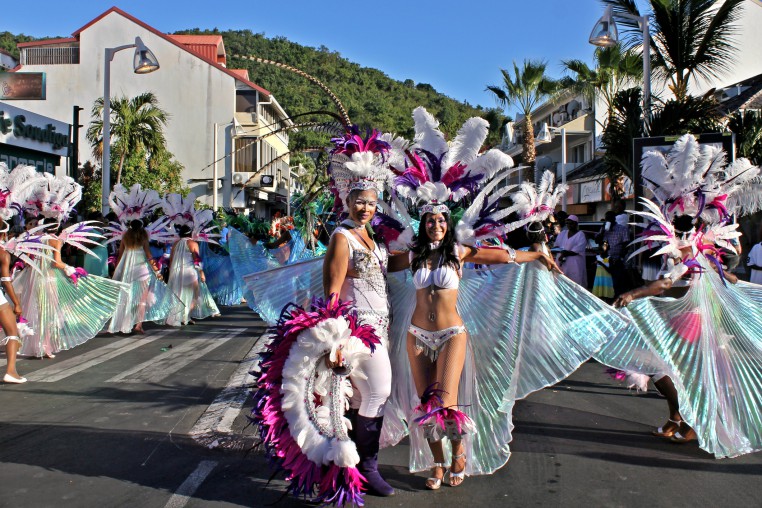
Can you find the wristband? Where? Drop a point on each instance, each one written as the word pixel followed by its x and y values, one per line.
pixel 511 252
pixel 6 279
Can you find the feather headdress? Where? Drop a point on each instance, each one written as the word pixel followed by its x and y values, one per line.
pixel 693 179
pixel 54 197
pixel 179 209
pixel 358 163
pixel 535 203
pixel 134 204
pixel 15 187
pixel 440 172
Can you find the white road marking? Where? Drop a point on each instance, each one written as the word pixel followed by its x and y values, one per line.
pixel 185 492
pixel 84 361
pixel 220 415
pixel 161 366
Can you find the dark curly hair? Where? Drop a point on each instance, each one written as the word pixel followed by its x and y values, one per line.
pixel 421 249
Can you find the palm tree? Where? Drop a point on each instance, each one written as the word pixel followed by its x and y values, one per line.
pixel 615 69
pixel 689 38
pixel 136 123
pixel 525 90
pixel 747 126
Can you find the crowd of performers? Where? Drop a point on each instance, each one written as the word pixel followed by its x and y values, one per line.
pixel 421 320
pixel 418 319
pixel 149 263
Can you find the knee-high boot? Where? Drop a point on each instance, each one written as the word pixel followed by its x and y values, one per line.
pixel 367 436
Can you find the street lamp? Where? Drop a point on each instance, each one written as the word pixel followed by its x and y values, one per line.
pixel 238 130
pixel 143 62
pixel 605 34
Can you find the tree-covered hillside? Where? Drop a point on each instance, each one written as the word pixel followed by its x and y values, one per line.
pixel 371 97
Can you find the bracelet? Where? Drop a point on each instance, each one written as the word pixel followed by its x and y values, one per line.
pixel 6 279
pixel 511 252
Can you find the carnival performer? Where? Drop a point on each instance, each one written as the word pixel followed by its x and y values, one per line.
pixel 15 187
pixel 355 269
pixel 459 317
pixel 353 277
pixel 437 338
pixel 572 243
pixel 187 279
pixel 64 305
pixel 149 299
pixel 701 340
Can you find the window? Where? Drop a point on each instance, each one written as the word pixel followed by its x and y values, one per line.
pixel 578 154
pixel 50 55
pixel 246 154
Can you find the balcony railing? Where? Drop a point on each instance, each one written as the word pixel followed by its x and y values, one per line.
pixel 50 56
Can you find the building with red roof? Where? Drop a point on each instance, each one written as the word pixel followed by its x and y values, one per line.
pixel 193 85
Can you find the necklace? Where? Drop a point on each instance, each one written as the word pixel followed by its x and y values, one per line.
pixel 350 224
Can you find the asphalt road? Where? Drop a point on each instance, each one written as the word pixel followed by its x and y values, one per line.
pixel 128 421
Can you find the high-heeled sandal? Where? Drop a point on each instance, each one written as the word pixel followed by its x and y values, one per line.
pixel 668 432
pixel 433 483
pixel 462 474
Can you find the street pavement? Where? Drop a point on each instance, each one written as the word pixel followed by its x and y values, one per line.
pixel 159 420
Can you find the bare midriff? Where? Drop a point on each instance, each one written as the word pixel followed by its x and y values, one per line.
pixel 435 309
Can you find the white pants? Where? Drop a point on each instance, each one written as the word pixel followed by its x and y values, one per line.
pixel 374 390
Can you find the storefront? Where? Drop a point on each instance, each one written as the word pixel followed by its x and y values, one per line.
pixel 31 139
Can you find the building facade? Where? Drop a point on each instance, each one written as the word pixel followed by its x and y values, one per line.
pixel 205 102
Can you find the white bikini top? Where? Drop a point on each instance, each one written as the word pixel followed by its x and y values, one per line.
pixel 443 277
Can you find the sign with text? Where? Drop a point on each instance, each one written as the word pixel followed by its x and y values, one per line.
pixel 24 129
pixel 591 192
pixel 22 86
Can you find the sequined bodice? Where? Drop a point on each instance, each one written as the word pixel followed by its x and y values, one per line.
pixel 368 289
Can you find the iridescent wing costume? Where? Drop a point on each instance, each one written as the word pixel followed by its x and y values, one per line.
pixel 709 342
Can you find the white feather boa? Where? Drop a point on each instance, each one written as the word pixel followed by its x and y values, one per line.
pixel 306 362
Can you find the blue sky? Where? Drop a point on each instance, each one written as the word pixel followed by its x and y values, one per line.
pixel 456 46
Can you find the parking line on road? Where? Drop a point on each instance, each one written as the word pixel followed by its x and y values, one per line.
pixel 185 491
pixel 84 361
pixel 220 415
pixel 161 366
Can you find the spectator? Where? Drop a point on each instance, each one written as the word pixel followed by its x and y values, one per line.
pixel 754 262
pixel 571 259
pixel 617 236
pixel 603 286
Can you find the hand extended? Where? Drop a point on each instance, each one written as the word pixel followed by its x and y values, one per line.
pixel 623 300
pixel 549 263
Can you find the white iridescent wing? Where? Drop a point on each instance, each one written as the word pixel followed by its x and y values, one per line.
pixel 269 292
pixel 528 329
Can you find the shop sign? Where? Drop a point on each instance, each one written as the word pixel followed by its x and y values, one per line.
pixel 13 156
pixel 25 129
pixel 591 192
pixel 22 86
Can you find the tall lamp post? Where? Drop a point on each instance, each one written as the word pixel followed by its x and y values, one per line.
pixel 605 34
pixel 546 136
pixel 143 62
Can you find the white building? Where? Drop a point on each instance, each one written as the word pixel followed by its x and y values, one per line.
pixel 192 85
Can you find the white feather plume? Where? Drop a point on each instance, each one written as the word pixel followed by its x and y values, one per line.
pixel 427 134
pixel 431 192
pixel 467 143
